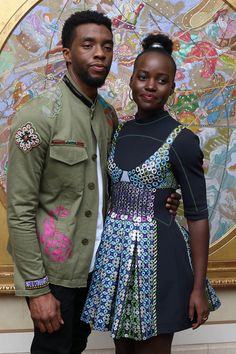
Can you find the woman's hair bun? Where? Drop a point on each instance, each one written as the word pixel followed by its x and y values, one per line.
pixel 160 41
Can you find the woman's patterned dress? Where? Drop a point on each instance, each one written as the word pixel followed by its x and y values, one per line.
pixel 143 276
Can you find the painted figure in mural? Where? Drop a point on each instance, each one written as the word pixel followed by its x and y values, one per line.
pixel 150 273
pixel 57 187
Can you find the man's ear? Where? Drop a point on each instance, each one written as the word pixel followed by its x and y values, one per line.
pixel 66 55
pixel 172 89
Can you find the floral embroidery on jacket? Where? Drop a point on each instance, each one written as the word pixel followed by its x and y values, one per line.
pixel 52 105
pixel 27 137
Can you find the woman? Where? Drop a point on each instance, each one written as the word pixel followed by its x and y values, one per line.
pixel 150 276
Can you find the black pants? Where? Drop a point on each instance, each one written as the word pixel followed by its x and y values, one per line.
pixel 72 336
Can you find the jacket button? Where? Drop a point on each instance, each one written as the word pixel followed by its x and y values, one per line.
pixel 91 185
pixel 88 213
pixel 85 241
pixel 94 157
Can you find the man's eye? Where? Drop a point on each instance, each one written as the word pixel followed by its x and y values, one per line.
pixel 87 46
pixel 108 48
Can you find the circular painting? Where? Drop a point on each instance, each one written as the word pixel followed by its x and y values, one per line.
pixel 204 34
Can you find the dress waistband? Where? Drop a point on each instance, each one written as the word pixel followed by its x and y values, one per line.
pixel 131 203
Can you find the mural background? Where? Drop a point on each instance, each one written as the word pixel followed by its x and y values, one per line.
pixel 204 35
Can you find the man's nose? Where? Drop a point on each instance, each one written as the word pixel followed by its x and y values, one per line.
pixel 99 52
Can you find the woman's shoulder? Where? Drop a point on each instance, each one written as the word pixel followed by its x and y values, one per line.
pixel 187 134
pixel 187 144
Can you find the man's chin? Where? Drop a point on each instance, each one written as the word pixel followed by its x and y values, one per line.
pixel 97 82
pixel 94 81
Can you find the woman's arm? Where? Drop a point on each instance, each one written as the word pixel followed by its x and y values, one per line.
pixel 199 240
pixel 187 161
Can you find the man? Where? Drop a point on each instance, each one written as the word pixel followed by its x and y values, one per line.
pixel 57 187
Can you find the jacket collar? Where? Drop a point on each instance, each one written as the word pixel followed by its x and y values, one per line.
pixel 74 88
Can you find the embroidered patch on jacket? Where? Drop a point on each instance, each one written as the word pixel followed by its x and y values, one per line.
pixel 27 137
pixel 68 142
pixel 36 284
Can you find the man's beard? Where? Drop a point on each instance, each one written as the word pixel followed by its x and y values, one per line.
pixel 91 81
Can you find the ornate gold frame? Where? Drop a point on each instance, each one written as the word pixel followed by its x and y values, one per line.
pixel 222 257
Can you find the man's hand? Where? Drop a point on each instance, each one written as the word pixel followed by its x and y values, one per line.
pixel 173 202
pixel 45 312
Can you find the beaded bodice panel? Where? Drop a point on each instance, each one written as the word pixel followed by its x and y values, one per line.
pixel 155 172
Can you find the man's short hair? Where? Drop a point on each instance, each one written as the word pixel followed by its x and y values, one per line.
pixel 81 18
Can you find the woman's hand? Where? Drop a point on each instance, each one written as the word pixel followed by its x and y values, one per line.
pixel 198 308
pixel 173 202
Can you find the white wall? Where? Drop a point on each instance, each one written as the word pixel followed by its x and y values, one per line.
pixel 220 332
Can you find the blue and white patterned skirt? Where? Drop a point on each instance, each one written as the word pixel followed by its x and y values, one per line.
pixel 123 293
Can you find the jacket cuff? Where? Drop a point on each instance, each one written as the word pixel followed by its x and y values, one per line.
pixel 33 292
pixel 35 287
pixel 37 283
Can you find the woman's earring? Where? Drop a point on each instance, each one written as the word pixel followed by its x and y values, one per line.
pixel 130 95
pixel 171 100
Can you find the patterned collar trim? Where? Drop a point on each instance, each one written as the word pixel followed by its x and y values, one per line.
pixel 78 94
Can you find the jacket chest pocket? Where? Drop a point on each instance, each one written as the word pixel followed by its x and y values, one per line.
pixel 68 165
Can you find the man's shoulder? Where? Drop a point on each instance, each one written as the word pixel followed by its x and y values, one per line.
pixel 109 111
pixel 105 105
pixel 45 105
pixel 38 115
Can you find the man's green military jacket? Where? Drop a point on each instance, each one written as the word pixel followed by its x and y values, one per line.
pixel 52 188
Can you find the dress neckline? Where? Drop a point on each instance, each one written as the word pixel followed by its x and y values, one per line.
pixel 158 116
pixel 165 145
